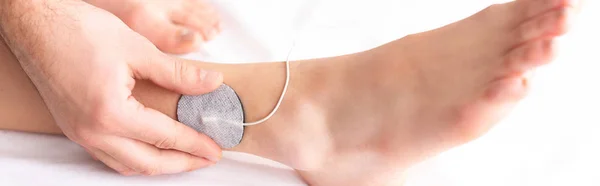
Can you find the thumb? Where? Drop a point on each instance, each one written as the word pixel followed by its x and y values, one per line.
pixel 179 75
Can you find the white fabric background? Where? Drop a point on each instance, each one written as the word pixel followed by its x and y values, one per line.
pixel 551 139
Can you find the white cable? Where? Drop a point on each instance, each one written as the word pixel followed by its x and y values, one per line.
pixel 285 86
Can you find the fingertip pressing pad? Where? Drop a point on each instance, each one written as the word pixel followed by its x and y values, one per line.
pixel 218 114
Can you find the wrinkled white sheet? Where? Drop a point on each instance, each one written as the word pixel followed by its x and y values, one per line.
pixel 550 139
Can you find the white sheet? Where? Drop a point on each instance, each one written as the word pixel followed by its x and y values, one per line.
pixel 551 138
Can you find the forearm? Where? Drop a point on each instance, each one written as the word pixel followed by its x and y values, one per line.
pixel 20 20
pixel 28 28
pixel 13 18
pixel 20 28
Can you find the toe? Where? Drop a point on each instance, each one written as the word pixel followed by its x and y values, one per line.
pixel 509 89
pixel 207 25
pixel 165 35
pixel 497 100
pixel 198 16
pixel 176 39
pixel 530 55
pixel 533 8
pixel 549 24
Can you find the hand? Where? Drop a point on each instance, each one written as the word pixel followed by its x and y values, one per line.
pixel 84 62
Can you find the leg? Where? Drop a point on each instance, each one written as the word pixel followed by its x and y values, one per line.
pixel 24 110
pixel 370 115
pixel 174 26
pixel 22 107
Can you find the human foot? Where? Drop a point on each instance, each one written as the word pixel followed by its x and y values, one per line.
pixel 363 119
pixel 174 26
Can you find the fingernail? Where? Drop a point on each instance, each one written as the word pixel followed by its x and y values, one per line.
pixel 209 76
pixel 214 159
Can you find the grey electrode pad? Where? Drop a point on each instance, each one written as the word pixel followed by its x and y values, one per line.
pixel 218 114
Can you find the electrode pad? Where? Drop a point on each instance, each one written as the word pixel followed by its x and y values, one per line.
pixel 218 114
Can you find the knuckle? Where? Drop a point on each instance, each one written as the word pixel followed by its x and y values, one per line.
pixel 169 141
pixel 179 69
pixel 196 150
pixel 165 143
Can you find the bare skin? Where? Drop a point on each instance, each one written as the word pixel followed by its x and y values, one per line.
pixel 174 26
pixel 364 118
pixel 84 62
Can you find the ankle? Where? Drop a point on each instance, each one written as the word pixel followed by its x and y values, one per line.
pixel 298 134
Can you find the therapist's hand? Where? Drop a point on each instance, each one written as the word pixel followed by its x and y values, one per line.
pixel 84 62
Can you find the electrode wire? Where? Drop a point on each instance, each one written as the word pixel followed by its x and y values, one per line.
pixel 283 92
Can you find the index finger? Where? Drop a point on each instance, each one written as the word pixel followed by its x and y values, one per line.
pixel 149 160
pixel 158 129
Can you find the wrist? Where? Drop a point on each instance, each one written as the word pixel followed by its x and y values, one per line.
pixel 15 20
pixel 29 24
pixel 13 9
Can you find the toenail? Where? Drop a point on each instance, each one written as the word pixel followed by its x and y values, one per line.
pixel 186 35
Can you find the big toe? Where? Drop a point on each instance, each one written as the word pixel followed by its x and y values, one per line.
pixel 199 16
pixel 532 8
pixel 175 39
pixel 534 38
pixel 543 19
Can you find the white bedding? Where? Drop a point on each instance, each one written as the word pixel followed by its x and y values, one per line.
pixel 551 138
